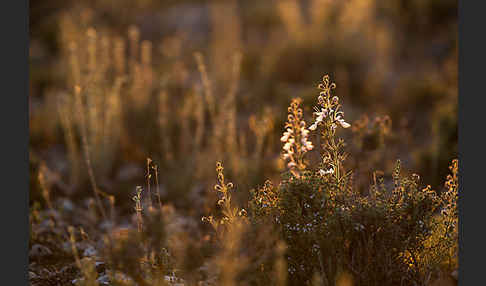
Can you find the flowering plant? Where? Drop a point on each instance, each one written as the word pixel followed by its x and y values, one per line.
pixel 296 139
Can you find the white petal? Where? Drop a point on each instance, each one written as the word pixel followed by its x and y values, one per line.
pixel 285 137
pixel 287 146
pixel 345 124
pixel 309 146
pixel 323 172
pixel 324 112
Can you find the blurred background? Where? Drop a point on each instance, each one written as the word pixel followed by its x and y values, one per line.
pixel 187 83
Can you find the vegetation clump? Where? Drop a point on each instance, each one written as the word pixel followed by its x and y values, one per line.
pixel 311 192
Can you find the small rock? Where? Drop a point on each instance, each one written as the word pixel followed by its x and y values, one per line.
pixel 45 272
pixel 90 251
pixel 38 251
pixel 104 280
pixel 48 224
pixel 68 270
pixel 67 205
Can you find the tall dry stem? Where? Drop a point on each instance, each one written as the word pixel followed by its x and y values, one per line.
pixel 80 109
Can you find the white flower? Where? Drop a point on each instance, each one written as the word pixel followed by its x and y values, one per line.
pixel 287 146
pixel 323 172
pixel 345 124
pixel 286 135
pixel 320 117
pixel 341 121
pixel 295 138
pixel 309 145
pixel 304 132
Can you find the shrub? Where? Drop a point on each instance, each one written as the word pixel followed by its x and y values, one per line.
pixel 394 234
